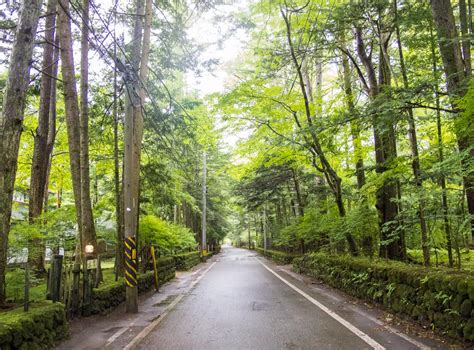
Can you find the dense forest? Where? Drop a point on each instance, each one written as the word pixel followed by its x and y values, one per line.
pixel 354 122
pixel 360 124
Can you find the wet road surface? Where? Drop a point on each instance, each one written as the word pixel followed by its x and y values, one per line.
pixel 246 302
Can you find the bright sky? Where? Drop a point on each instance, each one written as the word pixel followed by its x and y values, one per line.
pixel 209 32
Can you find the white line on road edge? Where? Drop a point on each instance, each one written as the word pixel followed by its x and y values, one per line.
pixel 389 328
pixel 331 313
pixel 140 336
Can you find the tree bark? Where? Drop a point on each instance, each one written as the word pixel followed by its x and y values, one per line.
pixel 88 228
pixel 11 120
pixel 52 122
pixel 334 181
pixel 299 198
pixel 385 149
pixel 71 113
pixel 414 149
pixel 455 71
pixel 39 168
pixel 354 124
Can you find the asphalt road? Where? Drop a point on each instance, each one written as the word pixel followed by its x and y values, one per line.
pixel 245 302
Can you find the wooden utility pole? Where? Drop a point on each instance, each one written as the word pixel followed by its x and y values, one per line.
pixel 135 97
pixel 204 205
pixel 130 192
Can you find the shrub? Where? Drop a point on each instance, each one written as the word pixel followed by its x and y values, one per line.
pixel 439 298
pixel 185 261
pixel 113 293
pixel 280 257
pixel 167 237
pixel 38 328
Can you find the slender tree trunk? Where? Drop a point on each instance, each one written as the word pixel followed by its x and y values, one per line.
pixel 39 168
pixel 385 150
pixel 72 113
pixel 334 181
pixel 88 228
pixel 40 160
pixel 466 40
pixel 11 119
pixel 354 124
pixel 298 192
pixel 414 149
pixel 52 122
pixel 456 77
pixel 442 179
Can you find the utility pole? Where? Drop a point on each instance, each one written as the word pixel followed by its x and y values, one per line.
pixel 204 205
pixel 264 228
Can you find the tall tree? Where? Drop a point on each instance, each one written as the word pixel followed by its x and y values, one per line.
pixel 384 143
pixel 11 119
pixel 39 168
pixel 71 112
pixel 88 228
pixel 318 154
pixel 457 71
pixel 415 163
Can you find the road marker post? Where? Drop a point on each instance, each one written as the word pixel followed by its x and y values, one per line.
pixel 155 269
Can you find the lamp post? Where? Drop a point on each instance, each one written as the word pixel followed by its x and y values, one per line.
pixel 88 254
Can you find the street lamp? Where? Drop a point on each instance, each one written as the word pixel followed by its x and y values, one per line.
pixel 89 249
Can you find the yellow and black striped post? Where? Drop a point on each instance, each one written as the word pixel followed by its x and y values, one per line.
pixel 130 261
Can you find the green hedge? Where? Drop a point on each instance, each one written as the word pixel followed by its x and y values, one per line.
pixel 438 298
pixel 186 261
pixel 280 257
pixel 113 294
pixel 38 328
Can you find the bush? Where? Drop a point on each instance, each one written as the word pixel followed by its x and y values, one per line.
pixel 185 261
pixel 167 237
pixel 38 328
pixel 440 299
pixel 113 293
pixel 280 257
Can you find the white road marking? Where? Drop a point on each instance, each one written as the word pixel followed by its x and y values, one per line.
pixel 389 328
pixel 116 335
pixel 140 336
pixel 331 313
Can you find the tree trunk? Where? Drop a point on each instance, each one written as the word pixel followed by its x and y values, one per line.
pixel 354 124
pixel 384 142
pixel 455 71
pixel 414 150
pixel 11 119
pixel 298 192
pixel 334 181
pixel 88 228
pixel 52 122
pixel 71 112
pixel 442 179
pixel 39 168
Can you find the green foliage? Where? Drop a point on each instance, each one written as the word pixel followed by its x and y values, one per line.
pixel 40 328
pixel 112 293
pixel 167 237
pixel 280 257
pixel 15 283
pixel 185 261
